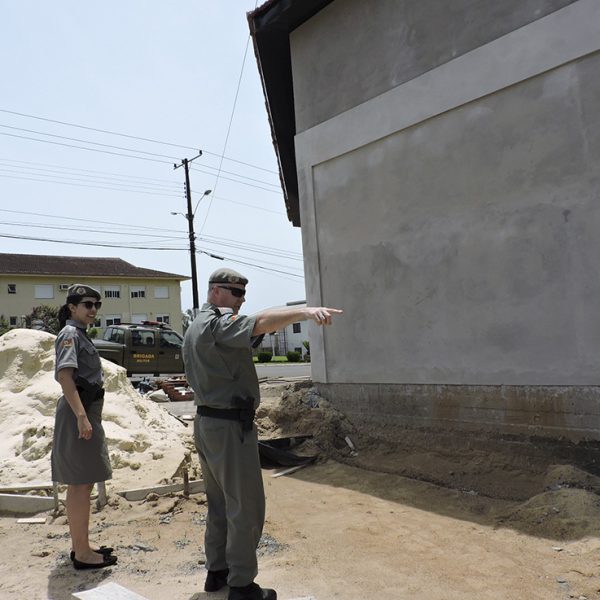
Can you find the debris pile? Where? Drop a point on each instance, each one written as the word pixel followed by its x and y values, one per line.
pixel 145 443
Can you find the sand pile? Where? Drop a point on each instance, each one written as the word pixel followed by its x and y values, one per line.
pixel 145 443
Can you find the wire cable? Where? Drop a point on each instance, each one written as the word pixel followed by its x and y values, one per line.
pixel 133 137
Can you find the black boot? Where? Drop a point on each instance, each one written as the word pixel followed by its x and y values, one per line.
pixel 251 591
pixel 215 580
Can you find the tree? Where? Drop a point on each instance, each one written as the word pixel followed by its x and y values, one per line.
pixel 46 316
pixel 3 325
pixel 186 318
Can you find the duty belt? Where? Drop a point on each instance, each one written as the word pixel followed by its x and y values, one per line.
pixel 244 415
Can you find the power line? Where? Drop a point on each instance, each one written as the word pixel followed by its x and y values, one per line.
pixel 133 137
pixel 205 237
pixel 63 137
pixel 237 91
pixel 129 247
pixel 126 156
pixel 164 182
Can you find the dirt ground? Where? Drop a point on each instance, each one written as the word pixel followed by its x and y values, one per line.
pixel 351 526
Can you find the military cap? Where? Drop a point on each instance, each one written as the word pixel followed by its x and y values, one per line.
pixel 80 289
pixel 227 276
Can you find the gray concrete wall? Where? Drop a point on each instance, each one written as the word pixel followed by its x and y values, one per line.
pixel 455 219
pixel 354 50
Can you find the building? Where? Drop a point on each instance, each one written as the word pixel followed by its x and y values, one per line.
pixel 129 293
pixel 442 161
pixel 290 338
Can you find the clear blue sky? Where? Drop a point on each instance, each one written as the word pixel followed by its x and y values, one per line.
pixel 165 71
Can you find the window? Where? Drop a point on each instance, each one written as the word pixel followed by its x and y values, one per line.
pixel 142 337
pixel 296 327
pixel 112 320
pixel 112 291
pixel 138 291
pixel 12 321
pixel 169 339
pixel 298 350
pixel 12 288
pixel 163 319
pixel 161 292
pixel 98 322
pixel 115 335
pixel 44 291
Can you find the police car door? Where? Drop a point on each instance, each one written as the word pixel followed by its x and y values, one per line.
pixel 170 360
pixel 144 357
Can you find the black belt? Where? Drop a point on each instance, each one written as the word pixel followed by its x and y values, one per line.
pixel 244 415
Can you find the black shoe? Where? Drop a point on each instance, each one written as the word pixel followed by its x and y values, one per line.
pixel 106 551
pixel 215 580
pixel 108 561
pixel 251 592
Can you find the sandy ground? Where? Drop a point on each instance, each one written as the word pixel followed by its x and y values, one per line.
pixel 399 518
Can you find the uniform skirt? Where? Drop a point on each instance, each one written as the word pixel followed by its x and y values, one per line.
pixel 74 460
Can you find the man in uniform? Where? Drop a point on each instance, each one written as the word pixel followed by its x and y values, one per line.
pixel 217 352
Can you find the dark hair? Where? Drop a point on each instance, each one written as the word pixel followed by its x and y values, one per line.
pixel 64 312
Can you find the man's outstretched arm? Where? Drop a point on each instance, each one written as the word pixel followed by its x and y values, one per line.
pixel 273 319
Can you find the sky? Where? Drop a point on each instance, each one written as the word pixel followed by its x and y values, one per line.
pixel 100 100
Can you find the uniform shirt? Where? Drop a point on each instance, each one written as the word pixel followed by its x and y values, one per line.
pixel 75 350
pixel 218 358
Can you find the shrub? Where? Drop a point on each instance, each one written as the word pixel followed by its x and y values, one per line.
pixel 93 333
pixel 264 356
pixel 293 356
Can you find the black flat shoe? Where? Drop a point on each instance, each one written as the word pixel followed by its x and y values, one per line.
pixel 107 562
pixel 215 580
pixel 105 550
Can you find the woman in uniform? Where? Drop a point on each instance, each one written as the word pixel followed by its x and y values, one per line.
pixel 79 453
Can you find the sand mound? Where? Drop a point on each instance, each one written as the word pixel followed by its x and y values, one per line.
pixel 145 443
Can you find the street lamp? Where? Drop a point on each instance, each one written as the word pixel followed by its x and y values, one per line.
pixel 192 236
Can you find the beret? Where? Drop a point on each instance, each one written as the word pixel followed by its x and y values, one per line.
pixel 227 276
pixel 80 289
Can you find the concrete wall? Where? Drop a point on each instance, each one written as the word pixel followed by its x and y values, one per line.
pixel 455 217
pixel 354 50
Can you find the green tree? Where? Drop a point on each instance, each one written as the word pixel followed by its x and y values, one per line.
pixel 3 325
pixel 186 318
pixel 48 315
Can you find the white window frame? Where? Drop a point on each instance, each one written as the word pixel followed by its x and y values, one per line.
pixel 164 318
pixel 137 291
pixel 12 288
pixel 112 320
pixel 161 292
pixel 112 291
pixel 43 291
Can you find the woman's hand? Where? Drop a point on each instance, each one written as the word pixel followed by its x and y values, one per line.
pixel 85 427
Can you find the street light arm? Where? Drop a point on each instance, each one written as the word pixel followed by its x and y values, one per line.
pixel 206 193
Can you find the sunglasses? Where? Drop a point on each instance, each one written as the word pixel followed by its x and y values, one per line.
pixel 235 291
pixel 89 304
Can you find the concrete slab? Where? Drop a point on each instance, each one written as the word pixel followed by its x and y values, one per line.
pixel 110 591
pixel 19 503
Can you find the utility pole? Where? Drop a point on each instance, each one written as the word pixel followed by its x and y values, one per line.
pixel 190 218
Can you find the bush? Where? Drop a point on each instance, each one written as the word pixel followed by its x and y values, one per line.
pixel 93 333
pixel 293 356
pixel 264 357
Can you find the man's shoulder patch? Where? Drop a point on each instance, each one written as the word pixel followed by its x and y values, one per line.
pixel 67 343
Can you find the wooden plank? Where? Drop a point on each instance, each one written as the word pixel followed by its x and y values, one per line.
pixel 18 503
pixel 26 487
pixel 110 591
pixel 289 470
pixel 195 487
pixel 32 520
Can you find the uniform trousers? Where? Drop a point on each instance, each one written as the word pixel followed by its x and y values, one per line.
pixel 235 494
